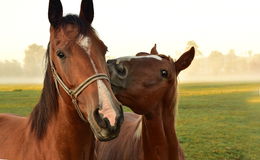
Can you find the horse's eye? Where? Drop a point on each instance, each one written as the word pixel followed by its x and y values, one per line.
pixel 164 73
pixel 60 54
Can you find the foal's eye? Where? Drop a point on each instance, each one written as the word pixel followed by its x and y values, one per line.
pixel 60 54
pixel 164 73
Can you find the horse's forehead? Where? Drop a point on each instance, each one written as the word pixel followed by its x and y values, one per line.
pixel 129 58
pixel 84 42
pixel 69 32
pixel 71 28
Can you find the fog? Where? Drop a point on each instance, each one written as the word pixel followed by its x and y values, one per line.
pixel 219 66
pixel 215 66
pixel 30 71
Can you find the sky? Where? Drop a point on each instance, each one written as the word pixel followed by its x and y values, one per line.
pixel 131 26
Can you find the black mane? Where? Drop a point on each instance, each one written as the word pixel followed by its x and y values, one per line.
pixel 47 106
pixel 75 20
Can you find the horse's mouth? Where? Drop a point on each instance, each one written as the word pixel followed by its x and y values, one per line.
pixel 105 134
pixel 103 137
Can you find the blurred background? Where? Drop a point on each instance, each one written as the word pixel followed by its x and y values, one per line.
pixel 226 35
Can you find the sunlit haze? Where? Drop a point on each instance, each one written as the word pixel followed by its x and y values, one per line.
pixel 130 26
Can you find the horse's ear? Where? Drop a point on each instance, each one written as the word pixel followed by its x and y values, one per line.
pixel 55 12
pixel 154 50
pixel 185 60
pixel 86 11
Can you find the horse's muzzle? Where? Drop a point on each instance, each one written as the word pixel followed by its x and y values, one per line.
pixel 108 132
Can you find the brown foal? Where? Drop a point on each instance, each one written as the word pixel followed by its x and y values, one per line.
pixel 77 103
pixel 147 83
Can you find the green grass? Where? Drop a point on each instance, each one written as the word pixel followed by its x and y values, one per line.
pixel 216 121
pixel 18 102
pixel 221 124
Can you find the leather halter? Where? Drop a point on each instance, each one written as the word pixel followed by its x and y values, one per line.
pixel 74 93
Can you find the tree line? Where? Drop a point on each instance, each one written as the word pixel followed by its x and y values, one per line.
pixel 32 66
pixel 215 66
pixel 220 66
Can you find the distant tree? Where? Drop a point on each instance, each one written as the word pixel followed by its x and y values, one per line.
pixel 33 61
pixel 249 53
pixel 216 62
pixel 254 64
pixel 232 52
pixel 230 62
pixel 10 69
pixel 194 44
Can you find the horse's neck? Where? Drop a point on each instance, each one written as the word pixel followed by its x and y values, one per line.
pixel 158 133
pixel 73 138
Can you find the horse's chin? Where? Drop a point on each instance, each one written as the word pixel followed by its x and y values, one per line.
pixel 105 136
pixel 130 102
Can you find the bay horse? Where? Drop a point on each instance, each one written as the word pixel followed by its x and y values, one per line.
pixel 147 83
pixel 77 103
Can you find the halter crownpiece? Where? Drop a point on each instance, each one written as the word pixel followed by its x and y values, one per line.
pixel 74 93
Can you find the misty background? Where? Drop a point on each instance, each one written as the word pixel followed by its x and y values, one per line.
pixel 206 67
pixel 226 35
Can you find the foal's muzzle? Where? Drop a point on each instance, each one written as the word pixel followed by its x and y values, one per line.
pixel 119 69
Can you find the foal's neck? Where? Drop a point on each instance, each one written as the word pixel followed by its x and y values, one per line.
pixel 159 136
pixel 73 137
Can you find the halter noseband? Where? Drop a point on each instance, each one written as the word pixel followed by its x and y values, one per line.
pixel 74 93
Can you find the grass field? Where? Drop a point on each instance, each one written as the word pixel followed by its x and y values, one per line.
pixel 216 121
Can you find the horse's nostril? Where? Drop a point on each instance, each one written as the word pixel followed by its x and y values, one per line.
pixel 105 123
pixel 99 119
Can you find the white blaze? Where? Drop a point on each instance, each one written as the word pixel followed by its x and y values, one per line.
pixel 105 99
pixel 129 58
pixel 104 96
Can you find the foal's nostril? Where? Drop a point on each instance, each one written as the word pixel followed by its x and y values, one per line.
pixel 121 70
pixel 111 61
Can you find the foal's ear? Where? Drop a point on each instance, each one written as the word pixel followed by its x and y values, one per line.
pixel 154 50
pixel 86 11
pixel 185 60
pixel 55 12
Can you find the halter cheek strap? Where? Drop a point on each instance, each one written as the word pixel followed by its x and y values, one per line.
pixel 74 93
